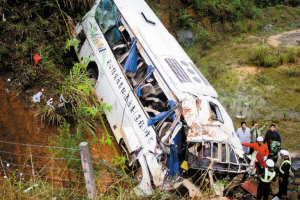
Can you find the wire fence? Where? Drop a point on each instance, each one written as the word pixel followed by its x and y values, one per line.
pixel 57 172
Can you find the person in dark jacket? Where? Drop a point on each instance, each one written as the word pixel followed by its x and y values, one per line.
pixel 266 176
pixel 270 133
pixel 284 172
pixel 274 149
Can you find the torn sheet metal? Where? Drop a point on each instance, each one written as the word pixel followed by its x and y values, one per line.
pixel 198 116
pixel 250 187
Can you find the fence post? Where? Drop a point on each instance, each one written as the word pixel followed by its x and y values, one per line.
pixel 88 170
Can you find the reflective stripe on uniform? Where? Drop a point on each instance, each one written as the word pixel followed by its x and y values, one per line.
pixel 268 176
pixel 283 162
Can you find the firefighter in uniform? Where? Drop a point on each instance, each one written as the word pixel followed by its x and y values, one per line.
pixel 284 172
pixel 266 176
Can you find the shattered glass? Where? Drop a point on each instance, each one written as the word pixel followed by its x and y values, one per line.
pixel 113 36
pixel 106 15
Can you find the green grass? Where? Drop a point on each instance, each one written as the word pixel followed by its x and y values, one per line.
pixel 291 55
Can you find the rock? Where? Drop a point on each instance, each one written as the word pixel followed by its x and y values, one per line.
pixel 186 37
pixel 268 27
pixel 296 166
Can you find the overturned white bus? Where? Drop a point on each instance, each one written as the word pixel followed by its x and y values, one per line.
pixel 164 109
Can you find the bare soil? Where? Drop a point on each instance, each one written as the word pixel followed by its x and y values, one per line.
pixel 288 38
pixel 243 71
pixel 20 124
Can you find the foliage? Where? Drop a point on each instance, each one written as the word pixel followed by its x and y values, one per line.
pixel 291 55
pixel 286 115
pixel 291 71
pixel 67 140
pixel 75 42
pixel 260 54
pixel 201 34
pixel 263 57
pixel 186 19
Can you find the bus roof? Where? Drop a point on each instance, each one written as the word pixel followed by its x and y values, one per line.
pixel 172 59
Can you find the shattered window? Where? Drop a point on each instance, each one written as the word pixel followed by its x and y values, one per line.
pixel 113 36
pixel 207 149
pixel 215 112
pixel 224 153
pixel 215 150
pixel 106 15
pixel 232 155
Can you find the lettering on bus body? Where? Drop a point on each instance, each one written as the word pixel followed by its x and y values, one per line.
pixel 127 95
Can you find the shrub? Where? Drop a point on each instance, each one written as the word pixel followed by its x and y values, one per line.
pixel 260 55
pixel 227 102
pixel 186 19
pixel 298 52
pixel 291 72
pixel 201 34
pixel 271 61
pixel 280 58
pixel 291 55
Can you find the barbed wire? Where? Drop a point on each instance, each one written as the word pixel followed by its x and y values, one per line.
pixel 53 158
pixel 62 169
pixel 48 177
pixel 38 174
pixel 111 167
pixel 26 166
pixel 41 146
pixel 42 176
pixel 8 170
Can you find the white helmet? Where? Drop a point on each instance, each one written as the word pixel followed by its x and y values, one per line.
pixel 260 139
pixel 270 163
pixel 284 153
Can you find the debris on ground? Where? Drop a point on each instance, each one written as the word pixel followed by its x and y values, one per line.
pixel 37 58
pixel 50 102
pixel 250 187
pixel 37 97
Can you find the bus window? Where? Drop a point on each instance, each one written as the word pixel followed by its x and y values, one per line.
pixel 113 36
pixel 106 15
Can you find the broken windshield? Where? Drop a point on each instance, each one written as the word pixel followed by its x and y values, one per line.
pixel 106 15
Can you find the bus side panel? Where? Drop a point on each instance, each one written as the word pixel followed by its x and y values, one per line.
pixel 126 98
pixel 106 94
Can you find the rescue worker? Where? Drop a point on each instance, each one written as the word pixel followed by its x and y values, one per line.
pixel 262 152
pixel 274 149
pixel 266 176
pixel 284 172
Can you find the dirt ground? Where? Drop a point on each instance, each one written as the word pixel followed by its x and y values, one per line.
pixel 289 38
pixel 19 124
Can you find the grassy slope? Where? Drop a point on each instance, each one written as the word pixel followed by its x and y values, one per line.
pixel 273 95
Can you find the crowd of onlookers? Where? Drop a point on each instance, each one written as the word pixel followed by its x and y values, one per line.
pixel 268 148
pixel 253 139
